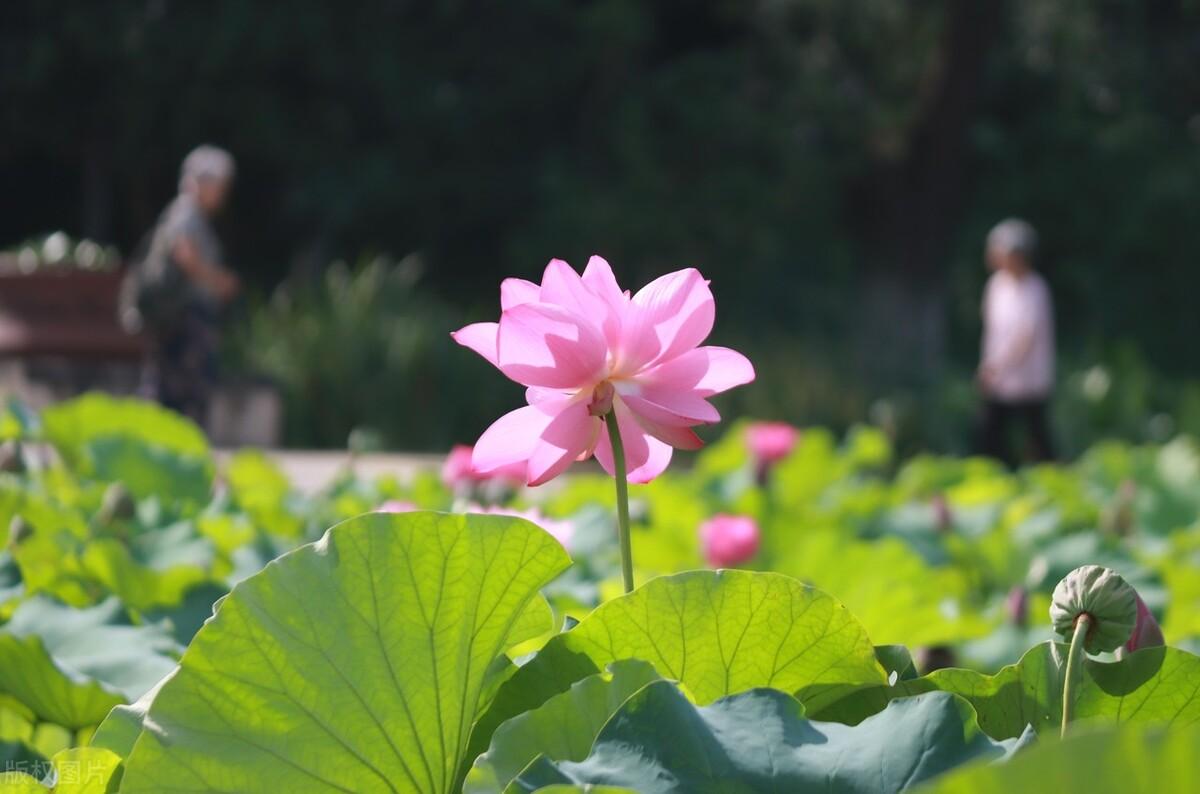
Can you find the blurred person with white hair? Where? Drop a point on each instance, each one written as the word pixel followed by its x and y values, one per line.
pixel 176 288
pixel 1016 368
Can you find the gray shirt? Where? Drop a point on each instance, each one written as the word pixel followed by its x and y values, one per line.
pixel 184 218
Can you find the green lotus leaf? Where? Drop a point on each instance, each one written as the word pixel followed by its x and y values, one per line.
pixel 261 488
pixel 898 596
pixel 1154 685
pixel 71 666
pixel 759 741
pixel 552 671
pixel 1112 760
pixel 722 632
pixel 356 663
pixel 563 728
pixel 146 448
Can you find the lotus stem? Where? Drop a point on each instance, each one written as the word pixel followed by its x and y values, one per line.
pixel 619 474
pixel 1074 668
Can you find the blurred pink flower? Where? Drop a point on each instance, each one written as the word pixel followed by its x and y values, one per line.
pixel 560 529
pixel 729 540
pixel 943 518
pixel 1146 633
pixel 396 506
pixel 583 347
pixel 458 470
pixel 770 442
pixel 1016 604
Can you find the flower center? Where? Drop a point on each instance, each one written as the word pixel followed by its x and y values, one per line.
pixel 602 399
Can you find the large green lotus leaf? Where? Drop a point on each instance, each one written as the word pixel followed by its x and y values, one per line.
pixel 71 666
pixel 721 632
pixel 78 770
pixel 148 449
pixel 563 728
pixel 1154 685
pixel 1115 760
pixel 888 586
pixel 759 741
pixel 362 661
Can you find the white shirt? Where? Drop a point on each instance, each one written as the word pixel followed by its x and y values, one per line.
pixel 1018 336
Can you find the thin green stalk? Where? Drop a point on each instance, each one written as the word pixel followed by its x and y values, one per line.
pixel 618 450
pixel 1074 668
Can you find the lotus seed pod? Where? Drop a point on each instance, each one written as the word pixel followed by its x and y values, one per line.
pixel 1105 597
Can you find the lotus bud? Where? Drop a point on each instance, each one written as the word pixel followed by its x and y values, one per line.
pixel 729 540
pixel 942 516
pixel 1017 606
pixel 457 469
pixel 769 443
pixel 1101 594
pixel 1146 633
pixel 459 472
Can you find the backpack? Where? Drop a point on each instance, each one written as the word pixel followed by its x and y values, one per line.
pixel 154 292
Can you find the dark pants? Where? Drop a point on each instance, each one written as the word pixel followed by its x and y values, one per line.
pixel 181 371
pixel 995 431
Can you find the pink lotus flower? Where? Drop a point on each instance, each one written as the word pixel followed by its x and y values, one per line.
pixel 770 442
pixel 729 540
pixel 585 348
pixel 458 470
pixel 1146 633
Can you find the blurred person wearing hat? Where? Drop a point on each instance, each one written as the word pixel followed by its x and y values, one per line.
pixel 1016 369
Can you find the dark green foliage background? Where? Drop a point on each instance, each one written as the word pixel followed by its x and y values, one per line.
pixel 832 165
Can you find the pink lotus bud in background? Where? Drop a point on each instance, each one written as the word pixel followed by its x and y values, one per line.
pixel 1017 606
pixel 729 540
pixel 1146 633
pixel 943 518
pixel 770 442
pixel 396 506
pixel 458 470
